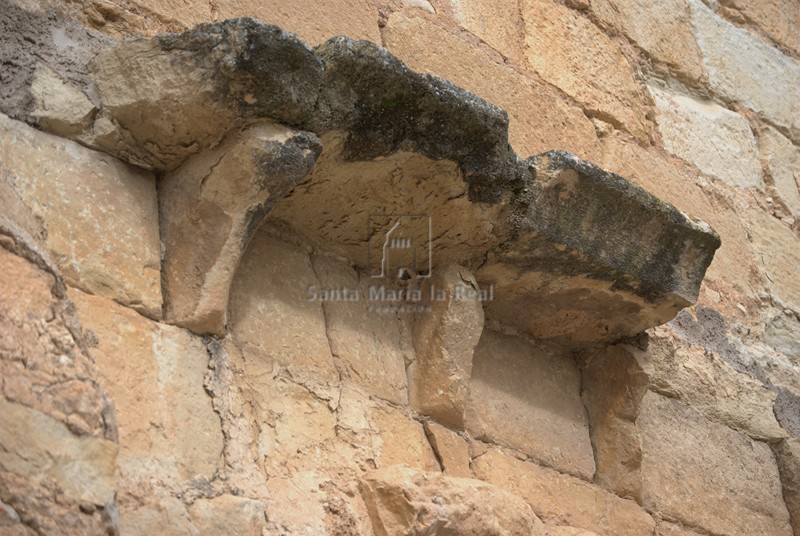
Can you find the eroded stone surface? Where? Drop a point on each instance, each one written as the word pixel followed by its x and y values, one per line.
pixel 528 398
pixel 717 141
pixel 70 190
pixel 444 340
pixel 210 208
pixel 779 255
pixel 228 514
pixel 782 160
pixel 561 499
pixel 403 501
pixel 592 285
pixel 451 449
pixel 683 454
pixel 787 453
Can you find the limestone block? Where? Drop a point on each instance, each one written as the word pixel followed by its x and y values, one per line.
pixel 588 284
pixel 717 141
pixel 527 397
pixel 154 374
pixel 444 340
pixel 540 119
pixel 561 499
pixel 59 107
pixel 778 19
pixel 738 62
pixel 499 25
pixel 404 501
pixel 211 207
pixel 661 29
pixel 573 54
pixel 177 94
pixel 707 475
pixel 782 160
pixel 787 453
pixel 613 387
pixel 99 215
pixel 371 348
pixel 271 315
pixel 779 255
pixel 228 514
pixel 451 449
pixel 169 517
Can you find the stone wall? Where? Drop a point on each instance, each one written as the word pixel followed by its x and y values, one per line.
pixel 174 209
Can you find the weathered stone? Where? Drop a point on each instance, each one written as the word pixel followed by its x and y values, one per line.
pixel 35 37
pixel 211 207
pixel 663 30
pixel 59 107
pixel 738 62
pixel 527 397
pixel 562 530
pixel 787 453
pixel 570 52
pixel 613 387
pixel 703 380
pixel 154 373
pixel 732 275
pixel 444 340
pixel 783 334
pixel 540 120
pixel 168 517
pixel 712 138
pixel 779 255
pixel 670 529
pixel 74 192
pixel 707 475
pixel 451 449
pixel 404 501
pixel 499 25
pixel 271 315
pixel 40 459
pixel 175 95
pixel 588 284
pixel 561 499
pixel 228 514
pixel 779 19
pixel 782 160
pixel 370 348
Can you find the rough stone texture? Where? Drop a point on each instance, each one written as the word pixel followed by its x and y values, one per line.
pixel 670 529
pixel 562 530
pixel 570 52
pixel 779 255
pixel 712 138
pixel 403 501
pixel 613 387
pixel 313 21
pixel 444 340
pixel 59 107
pixel 499 25
pixel 781 159
pixel 99 215
pixel 738 62
pixel 539 119
pixel 557 257
pixel 732 274
pixel 787 453
pixel 686 457
pixel 370 348
pixel 154 373
pixel 57 439
pixel 450 448
pixel 228 514
pixel 783 333
pixel 663 30
pixel 778 19
pixel 702 379
pixel 177 94
pixel 561 499
pixel 527 397
pixel 211 207
pixel 271 316
pixel 35 39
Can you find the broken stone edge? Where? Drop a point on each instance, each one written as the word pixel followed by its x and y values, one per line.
pixel 258 71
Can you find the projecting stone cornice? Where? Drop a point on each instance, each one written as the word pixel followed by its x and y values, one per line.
pixel 246 122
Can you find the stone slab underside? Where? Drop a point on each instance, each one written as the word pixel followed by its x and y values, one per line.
pixel 574 254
